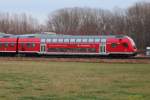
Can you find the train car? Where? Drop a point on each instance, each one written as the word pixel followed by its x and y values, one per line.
pixel 121 45
pixel 28 44
pixel 72 45
pixel 54 44
pixel 8 44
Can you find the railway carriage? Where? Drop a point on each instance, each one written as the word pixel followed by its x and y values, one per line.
pixel 56 44
pixel 53 44
pixel 28 45
pixel 8 44
pixel 72 45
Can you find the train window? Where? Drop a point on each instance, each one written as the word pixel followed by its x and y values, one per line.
pixel 6 45
pixel 78 40
pixel 51 50
pixel 60 40
pixel 6 36
pixel 72 40
pixel 31 36
pixel 84 40
pixel 114 45
pixel 66 40
pixel 43 40
pixel 33 44
pixel 22 44
pixel 125 45
pixel 48 40
pixel 12 44
pixel 97 40
pixel 54 40
pixel 91 40
pixel 91 49
pixel 82 50
pixel 1 45
pixel 30 45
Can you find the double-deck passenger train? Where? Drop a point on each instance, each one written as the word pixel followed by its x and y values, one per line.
pixel 57 44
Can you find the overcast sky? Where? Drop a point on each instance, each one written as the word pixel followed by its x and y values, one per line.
pixel 41 8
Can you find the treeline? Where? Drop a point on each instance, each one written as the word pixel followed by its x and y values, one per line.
pixel 133 21
pixel 18 23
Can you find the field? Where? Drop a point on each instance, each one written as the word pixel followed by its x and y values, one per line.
pixel 37 80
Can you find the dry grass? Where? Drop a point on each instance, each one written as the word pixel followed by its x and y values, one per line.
pixel 26 80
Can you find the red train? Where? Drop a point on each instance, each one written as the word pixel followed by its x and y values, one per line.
pixel 54 44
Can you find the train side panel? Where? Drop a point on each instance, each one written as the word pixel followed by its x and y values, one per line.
pixel 28 45
pixel 68 45
pixel 8 45
pixel 70 48
pixel 120 46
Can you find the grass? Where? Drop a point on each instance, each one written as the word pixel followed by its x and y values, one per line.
pixel 26 80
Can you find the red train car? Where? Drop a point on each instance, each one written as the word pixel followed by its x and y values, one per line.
pixel 50 44
pixel 121 45
pixel 8 44
pixel 29 45
pixel 53 44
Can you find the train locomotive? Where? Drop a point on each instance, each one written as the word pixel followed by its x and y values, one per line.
pixel 57 44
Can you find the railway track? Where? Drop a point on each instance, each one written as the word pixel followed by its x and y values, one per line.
pixel 140 57
pixel 137 60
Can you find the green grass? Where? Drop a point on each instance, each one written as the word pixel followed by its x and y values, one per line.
pixel 26 80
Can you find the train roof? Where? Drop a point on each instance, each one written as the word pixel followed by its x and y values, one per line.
pixel 45 36
pixel 4 35
pixel 1 33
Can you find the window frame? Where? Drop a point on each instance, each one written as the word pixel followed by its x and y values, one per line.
pixel 84 40
pixel 89 40
pixel 66 40
pixel 60 40
pixel 72 40
pixel 49 40
pixel 30 45
pixel 114 45
pixel 6 45
pixel 54 40
pixel 1 45
pixel 12 44
pixel 124 44
pixel 78 40
pixel 97 40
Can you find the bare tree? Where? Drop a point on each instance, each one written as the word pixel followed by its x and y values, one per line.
pixel 18 23
pixel 139 23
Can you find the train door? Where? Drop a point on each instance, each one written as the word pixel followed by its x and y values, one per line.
pixel 43 46
pixel 102 47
